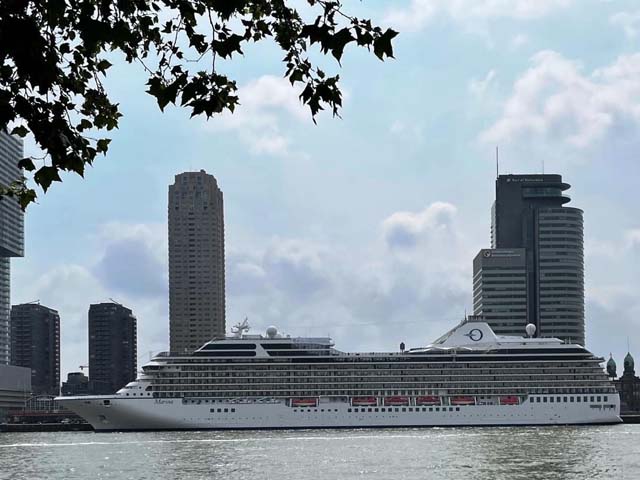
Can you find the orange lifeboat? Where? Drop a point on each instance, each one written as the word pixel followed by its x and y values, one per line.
pixel 428 400
pixel 396 401
pixel 304 402
pixel 509 400
pixel 364 401
pixel 463 401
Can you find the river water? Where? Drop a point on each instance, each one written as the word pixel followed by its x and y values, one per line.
pixel 549 453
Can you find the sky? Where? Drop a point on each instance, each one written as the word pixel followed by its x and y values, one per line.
pixel 365 227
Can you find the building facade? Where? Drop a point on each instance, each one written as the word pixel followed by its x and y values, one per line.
pixel 77 384
pixel 196 261
pixel 112 347
pixel 15 388
pixel 500 289
pixel 529 216
pixel 628 385
pixel 35 344
pixel 11 233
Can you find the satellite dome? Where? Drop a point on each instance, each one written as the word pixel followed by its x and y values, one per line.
pixel 272 331
pixel 530 329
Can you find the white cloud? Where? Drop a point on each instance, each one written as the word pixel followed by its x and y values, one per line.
pixel 555 101
pixel 628 21
pixel 478 88
pixel 418 13
pixel 370 298
pixel 265 104
pixel 406 229
pixel 518 41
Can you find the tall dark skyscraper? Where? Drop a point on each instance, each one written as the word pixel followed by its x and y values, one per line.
pixel 196 261
pixel 35 344
pixel 11 233
pixel 534 272
pixel 112 347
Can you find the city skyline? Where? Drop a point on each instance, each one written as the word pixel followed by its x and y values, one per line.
pixel 363 227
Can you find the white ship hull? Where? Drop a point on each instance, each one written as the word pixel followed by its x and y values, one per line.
pixel 172 414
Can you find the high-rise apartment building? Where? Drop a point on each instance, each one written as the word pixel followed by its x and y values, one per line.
pixel 35 344
pixel 196 261
pixel 11 233
pixel 537 240
pixel 112 347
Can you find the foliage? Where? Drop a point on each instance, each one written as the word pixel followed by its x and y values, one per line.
pixel 52 64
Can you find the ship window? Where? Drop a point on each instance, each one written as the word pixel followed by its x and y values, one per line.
pixel 411 409
pixel 212 410
pixel 544 400
pixel 219 410
pixel 551 399
pixel 383 410
pixel 451 409
pixel 424 409
pixel 457 409
pixel 397 409
pixel 537 399
pixel 437 409
pixel 558 399
pixel 233 410
pixel 578 399
pixel 606 399
pixel 599 399
pixel 375 409
pixel 348 410
pixel 106 402
pixel 226 410
pixel 531 399
pixel 404 409
pixel 431 409
pixel 564 399
pixel 584 399
pixel 571 399
pixel 322 410
pixel 369 410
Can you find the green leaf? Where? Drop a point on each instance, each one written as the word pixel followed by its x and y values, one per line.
pixel 20 130
pixel 27 164
pixel 102 145
pixel 45 176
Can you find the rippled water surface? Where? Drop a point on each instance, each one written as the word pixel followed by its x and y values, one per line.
pixel 453 453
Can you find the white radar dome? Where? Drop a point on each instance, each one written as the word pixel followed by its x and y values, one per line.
pixel 531 329
pixel 272 331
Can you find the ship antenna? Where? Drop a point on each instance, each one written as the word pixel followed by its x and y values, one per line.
pixel 497 163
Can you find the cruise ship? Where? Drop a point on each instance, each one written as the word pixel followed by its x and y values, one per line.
pixel 469 376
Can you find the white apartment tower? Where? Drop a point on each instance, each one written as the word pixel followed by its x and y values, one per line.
pixel 196 261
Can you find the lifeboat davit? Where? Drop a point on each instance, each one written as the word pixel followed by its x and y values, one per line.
pixel 364 401
pixel 304 402
pixel 428 400
pixel 463 401
pixel 396 401
pixel 509 400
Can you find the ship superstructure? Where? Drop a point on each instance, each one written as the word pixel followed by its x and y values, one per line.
pixel 469 376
